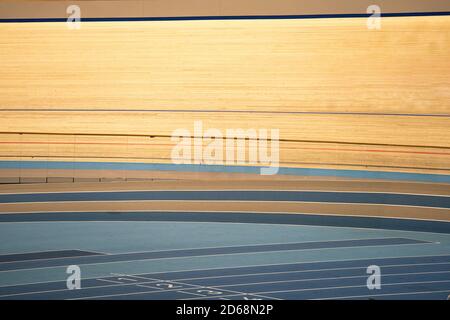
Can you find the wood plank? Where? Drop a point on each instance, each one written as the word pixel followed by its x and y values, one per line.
pixel 329 65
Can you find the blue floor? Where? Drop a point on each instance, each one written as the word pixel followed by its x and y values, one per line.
pixel 216 260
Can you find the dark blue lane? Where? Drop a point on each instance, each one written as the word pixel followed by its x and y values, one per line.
pixel 247 285
pixel 434 262
pixel 43 255
pixel 62 286
pixel 323 288
pixel 362 290
pixel 398 292
pixel 124 290
pixel 206 252
pixel 436 272
pixel 347 287
pixel 305 196
pixel 417 295
pixel 439 295
pixel 438 265
pixel 237 217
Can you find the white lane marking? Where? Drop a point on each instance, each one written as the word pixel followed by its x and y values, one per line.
pixel 100 279
pixel 194 294
pixel 149 287
pixel 126 279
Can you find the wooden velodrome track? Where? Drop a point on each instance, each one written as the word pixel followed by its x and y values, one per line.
pixel 342 96
pixel 364 120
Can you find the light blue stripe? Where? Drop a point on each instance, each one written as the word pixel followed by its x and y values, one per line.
pixel 384 175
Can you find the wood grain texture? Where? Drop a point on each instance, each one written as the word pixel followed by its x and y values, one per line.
pixel 353 81
pixel 307 65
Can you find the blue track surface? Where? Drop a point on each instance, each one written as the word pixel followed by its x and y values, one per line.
pixel 421 277
pixel 40 262
pixel 259 262
pixel 240 217
pixel 234 255
pixel 223 255
pixel 301 196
